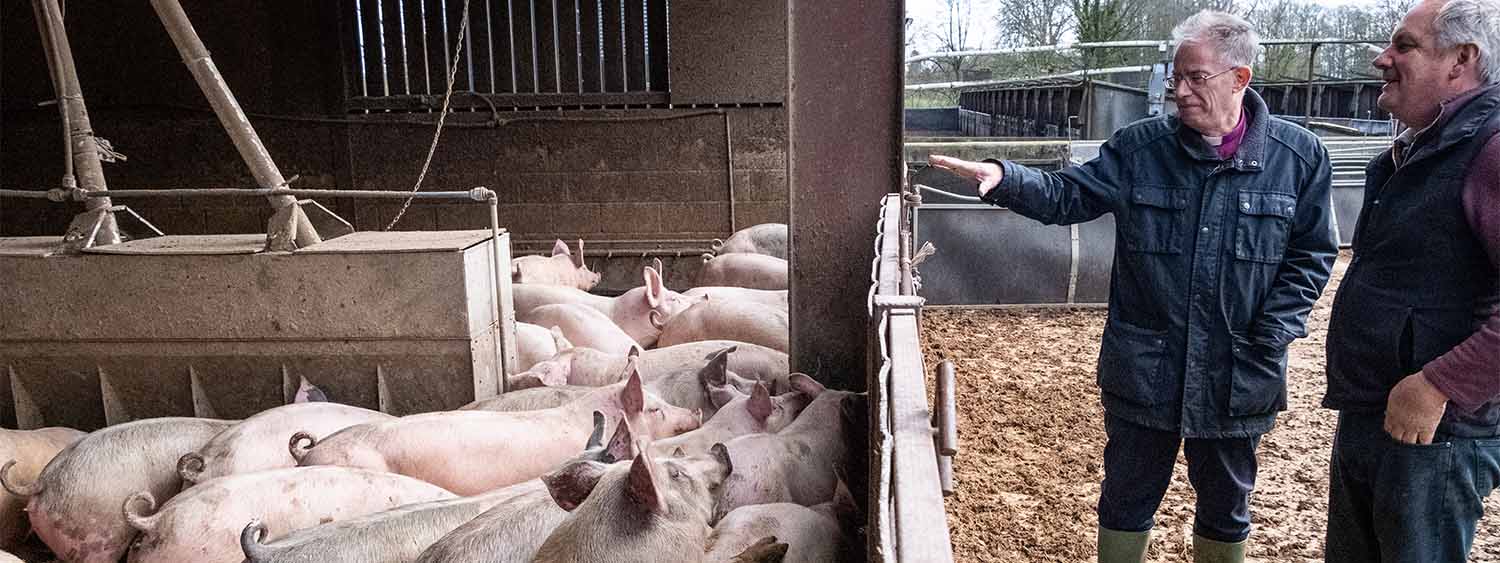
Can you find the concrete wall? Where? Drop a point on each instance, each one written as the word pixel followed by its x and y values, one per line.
pixel 580 173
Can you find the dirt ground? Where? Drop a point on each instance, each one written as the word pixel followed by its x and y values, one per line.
pixel 1032 441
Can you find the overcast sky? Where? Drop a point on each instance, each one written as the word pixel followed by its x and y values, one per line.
pixel 930 13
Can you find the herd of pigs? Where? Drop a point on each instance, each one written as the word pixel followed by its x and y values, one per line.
pixel 714 451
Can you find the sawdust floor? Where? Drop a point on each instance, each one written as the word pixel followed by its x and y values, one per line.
pixel 1032 441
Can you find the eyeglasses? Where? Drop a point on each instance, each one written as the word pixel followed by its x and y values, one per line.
pixel 1195 80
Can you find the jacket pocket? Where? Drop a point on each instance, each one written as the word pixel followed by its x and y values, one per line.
pixel 1155 220
pixel 1257 383
pixel 1262 225
pixel 1131 362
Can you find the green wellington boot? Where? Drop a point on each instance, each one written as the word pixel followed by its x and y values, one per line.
pixel 1122 547
pixel 1209 551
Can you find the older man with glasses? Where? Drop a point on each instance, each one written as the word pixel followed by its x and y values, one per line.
pixel 1414 336
pixel 1223 242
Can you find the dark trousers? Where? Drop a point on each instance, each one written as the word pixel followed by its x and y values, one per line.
pixel 1392 502
pixel 1138 465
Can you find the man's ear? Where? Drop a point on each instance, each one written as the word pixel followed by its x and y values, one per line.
pixel 1242 77
pixel 1468 53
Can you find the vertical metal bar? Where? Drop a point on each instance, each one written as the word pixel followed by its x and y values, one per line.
pixel 489 40
pixel 405 64
pixel 667 12
pixel 446 56
pixel 578 43
pixel 502 367
pixel 385 82
pixel 468 53
pixel 426 70
pixel 359 37
pixel 646 42
pixel 536 73
pixel 556 52
pixel 510 29
pixel 624 52
pixel 599 19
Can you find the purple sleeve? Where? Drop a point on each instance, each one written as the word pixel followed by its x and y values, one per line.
pixel 1469 374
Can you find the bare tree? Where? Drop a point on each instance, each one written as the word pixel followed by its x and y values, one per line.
pixel 1107 20
pixel 951 33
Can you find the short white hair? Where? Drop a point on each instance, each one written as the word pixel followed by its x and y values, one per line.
pixel 1232 38
pixel 1474 22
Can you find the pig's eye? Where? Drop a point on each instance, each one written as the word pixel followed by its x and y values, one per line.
pixel 674 473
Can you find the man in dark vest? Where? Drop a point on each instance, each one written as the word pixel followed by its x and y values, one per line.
pixel 1414 338
pixel 1223 242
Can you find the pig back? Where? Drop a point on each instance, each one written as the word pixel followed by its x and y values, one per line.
pixel 203 524
pixel 533 399
pixel 77 510
pixel 260 442
pixel 31 450
pixel 510 531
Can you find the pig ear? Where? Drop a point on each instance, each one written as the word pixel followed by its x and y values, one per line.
pixel 654 287
pixel 573 482
pixel 560 340
pixel 597 438
pixel 622 444
pixel 716 372
pixel 577 258
pixel 721 453
pixel 641 485
pixel 808 386
pixel 632 397
pixel 677 452
pixel 560 248
pixel 759 404
pixel 309 393
pixel 635 351
pixel 656 263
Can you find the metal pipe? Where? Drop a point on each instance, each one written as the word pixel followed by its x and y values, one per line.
pixel 948 406
pixel 475 194
pixel 501 368
pixel 729 169
pixel 54 68
pixel 385 75
pixel 1116 45
pixel 89 171
pixel 195 55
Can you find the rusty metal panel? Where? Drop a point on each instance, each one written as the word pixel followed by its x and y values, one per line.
pixel 730 52
pixel 844 153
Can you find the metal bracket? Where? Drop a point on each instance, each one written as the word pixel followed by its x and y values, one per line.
pixel 87 228
pixel 303 224
pixel 889 302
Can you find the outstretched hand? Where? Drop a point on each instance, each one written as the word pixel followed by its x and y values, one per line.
pixel 988 174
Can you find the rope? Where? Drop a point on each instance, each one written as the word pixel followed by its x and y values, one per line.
pixel 442 116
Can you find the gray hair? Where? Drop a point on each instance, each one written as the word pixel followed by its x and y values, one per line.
pixel 1475 22
pixel 1231 37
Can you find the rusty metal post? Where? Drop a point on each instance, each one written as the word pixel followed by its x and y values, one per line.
pixel 836 186
pixel 289 228
pixel 96 226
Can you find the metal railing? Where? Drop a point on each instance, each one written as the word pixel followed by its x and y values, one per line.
pixel 532 53
pixel 910 456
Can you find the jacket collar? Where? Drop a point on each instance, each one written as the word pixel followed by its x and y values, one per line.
pixel 1251 156
pixel 1458 120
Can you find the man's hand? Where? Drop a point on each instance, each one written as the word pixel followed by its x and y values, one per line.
pixel 1414 409
pixel 987 173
